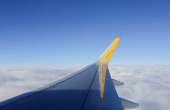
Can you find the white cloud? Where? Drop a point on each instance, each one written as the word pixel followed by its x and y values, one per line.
pixel 148 85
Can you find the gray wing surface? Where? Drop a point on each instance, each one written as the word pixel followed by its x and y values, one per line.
pixel 90 88
pixel 69 93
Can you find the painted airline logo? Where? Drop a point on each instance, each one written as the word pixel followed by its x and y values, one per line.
pixel 111 51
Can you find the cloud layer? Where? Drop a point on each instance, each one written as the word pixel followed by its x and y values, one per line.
pixel 148 85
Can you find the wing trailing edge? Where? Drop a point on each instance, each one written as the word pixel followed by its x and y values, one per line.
pixel 117 83
pixel 128 104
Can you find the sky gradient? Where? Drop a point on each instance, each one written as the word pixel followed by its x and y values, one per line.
pixel 69 32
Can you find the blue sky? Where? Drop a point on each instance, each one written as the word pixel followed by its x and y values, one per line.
pixel 77 32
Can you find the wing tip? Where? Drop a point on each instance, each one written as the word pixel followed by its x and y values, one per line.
pixel 107 54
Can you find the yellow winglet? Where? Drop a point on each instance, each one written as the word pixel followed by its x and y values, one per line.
pixel 109 51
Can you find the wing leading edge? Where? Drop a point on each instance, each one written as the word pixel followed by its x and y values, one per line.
pixel 90 88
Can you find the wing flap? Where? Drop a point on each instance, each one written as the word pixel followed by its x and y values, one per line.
pixel 117 83
pixel 128 104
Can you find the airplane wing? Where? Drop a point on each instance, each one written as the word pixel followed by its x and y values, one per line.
pixel 90 88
